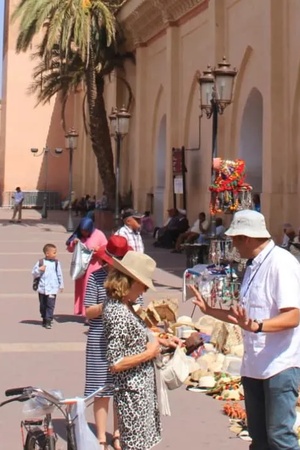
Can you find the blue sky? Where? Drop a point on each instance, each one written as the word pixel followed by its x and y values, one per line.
pixel 1 41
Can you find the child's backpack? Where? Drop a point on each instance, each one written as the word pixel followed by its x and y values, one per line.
pixel 36 281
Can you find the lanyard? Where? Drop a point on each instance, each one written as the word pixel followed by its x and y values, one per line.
pixel 255 273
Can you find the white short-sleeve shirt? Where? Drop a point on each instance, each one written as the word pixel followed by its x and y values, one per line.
pixel 270 284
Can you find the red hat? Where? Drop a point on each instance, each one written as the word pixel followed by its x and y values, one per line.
pixel 117 247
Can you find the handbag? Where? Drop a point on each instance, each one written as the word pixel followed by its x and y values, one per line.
pixel 85 438
pixel 176 370
pixel 173 373
pixel 80 260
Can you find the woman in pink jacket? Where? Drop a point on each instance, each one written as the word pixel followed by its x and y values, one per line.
pixel 93 239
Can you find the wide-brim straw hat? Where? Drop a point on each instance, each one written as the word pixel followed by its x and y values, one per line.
pixel 184 321
pixel 116 247
pixel 138 266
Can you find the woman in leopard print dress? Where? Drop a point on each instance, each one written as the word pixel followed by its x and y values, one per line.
pixel 130 352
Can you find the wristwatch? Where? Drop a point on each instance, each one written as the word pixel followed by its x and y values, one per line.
pixel 260 325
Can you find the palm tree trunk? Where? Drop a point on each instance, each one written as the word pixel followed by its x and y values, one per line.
pixel 99 130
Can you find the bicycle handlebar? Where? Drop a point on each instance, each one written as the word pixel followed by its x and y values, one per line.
pixel 31 392
pixel 20 398
pixel 16 391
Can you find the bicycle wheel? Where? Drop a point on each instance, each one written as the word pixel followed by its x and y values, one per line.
pixel 35 439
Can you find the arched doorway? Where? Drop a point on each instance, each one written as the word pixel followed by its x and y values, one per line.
pixel 160 171
pixel 251 140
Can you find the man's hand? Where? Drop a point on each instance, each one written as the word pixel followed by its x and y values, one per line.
pixel 199 301
pixel 239 316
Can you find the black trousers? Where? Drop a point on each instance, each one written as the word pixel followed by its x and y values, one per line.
pixel 47 305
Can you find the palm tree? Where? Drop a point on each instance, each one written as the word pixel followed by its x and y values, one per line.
pixel 81 42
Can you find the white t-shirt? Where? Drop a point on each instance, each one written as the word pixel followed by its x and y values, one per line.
pixel 285 241
pixel 195 228
pixel 271 283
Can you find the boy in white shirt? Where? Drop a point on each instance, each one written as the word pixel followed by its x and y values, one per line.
pixel 48 281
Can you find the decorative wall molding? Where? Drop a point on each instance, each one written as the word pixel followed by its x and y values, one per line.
pixel 151 17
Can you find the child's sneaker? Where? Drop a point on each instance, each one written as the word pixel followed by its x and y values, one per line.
pixel 48 324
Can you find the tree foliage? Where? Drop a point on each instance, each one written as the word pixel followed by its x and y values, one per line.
pixel 79 42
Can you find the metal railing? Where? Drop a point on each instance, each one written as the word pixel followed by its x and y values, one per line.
pixel 33 199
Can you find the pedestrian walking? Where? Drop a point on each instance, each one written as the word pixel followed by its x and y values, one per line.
pixel 48 279
pixel 18 198
pixel 268 313
pixel 93 239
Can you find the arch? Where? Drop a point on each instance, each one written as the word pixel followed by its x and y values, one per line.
pixel 189 108
pixel 156 111
pixel 237 92
pixel 160 171
pixel 292 171
pixel 159 145
pixel 251 139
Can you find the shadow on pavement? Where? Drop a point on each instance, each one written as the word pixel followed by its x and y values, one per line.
pixel 64 318
pixel 167 286
pixel 32 218
pixel 31 322
pixel 27 223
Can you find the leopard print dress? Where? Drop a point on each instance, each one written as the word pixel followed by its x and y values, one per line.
pixel 136 394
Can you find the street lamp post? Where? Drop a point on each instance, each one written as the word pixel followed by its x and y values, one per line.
pixel 71 145
pixel 216 93
pixel 46 151
pixel 119 127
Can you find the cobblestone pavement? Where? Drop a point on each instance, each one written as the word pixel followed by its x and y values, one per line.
pixel 32 355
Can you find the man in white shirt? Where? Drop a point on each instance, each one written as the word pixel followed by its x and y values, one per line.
pixel 131 230
pixel 269 314
pixel 285 238
pixel 18 201
pixel 199 228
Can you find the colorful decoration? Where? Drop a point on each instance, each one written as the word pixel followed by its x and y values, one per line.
pixel 229 192
pixel 86 4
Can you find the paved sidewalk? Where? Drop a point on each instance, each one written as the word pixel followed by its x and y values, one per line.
pixel 31 355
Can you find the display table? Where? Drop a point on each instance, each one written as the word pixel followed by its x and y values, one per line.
pixel 217 285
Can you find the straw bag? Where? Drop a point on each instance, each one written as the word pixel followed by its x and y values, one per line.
pixel 173 373
pixel 226 336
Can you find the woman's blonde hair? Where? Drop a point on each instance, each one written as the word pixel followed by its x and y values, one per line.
pixel 117 284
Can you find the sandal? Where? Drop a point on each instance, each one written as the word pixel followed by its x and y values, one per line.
pixel 116 443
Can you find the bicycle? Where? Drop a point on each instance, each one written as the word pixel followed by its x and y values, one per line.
pixel 40 434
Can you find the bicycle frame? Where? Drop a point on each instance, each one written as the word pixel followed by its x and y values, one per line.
pixel 64 405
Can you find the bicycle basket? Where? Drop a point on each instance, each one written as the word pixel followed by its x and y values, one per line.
pixel 39 406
